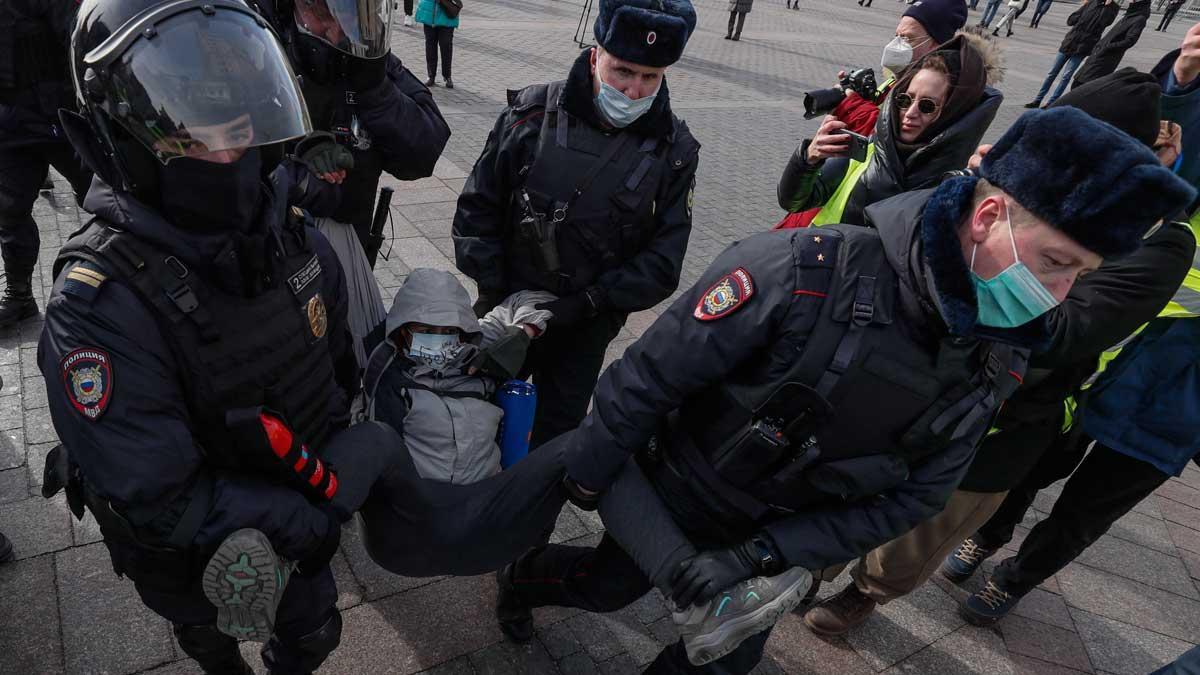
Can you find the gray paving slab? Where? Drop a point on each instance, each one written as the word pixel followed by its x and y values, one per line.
pixel 105 626
pixel 1024 665
pixel 1184 494
pixel 30 641
pixel 1118 647
pixel 460 666
pixel 797 651
pixel 12 448
pixel 1185 537
pixel 905 626
pixel 14 485
pixel 506 658
pixel 1144 530
pixel 1125 600
pixel 1044 642
pixel 966 650
pixel 1140 563
pixel 37 525
pixel 1046 607
pixel 1180 514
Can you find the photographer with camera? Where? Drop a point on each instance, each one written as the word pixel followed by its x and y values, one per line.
pixel 931 124
pixel 924 27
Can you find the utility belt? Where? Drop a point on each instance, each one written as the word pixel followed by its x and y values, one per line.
pixel 168 564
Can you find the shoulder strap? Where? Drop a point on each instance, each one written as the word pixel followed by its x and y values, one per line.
pixel 381 357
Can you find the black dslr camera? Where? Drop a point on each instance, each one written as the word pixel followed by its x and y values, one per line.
pixel 823 101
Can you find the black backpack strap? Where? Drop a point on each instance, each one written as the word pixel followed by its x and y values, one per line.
pixel 377 363
pixel 843 356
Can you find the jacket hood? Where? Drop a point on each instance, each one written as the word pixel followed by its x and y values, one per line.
pixel 1137 9
pixel 919 232
pixel 434 298
pixel 578 100
pixel 975 67
pixel 213 252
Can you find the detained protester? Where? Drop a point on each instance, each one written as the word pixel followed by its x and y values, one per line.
pixel 924 27
pixel 1100 310
pixel 34 83
pixel 584 190
pixel 932 122
pixel 152 378
pixel 743 400
pixel 378 113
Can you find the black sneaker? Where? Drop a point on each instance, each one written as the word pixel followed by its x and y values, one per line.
pixel 962 563
pixel 1033 104
pixel 449 83
pixel 516 619
pixel 245 580
pixel 717 627
pixel 431 83
pixel 989 605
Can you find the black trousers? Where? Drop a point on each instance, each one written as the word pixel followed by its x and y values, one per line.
pixel 22 171
pixel 605 579
pixel 1105 486
pixel 408 7
pixel 1166 19
pixel 740 18
pixel 439 38
pixel 307 626
pixel 565 365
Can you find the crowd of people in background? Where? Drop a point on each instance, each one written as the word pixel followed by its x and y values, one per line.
pixel 1015 314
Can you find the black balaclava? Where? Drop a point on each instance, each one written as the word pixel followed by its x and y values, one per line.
pixel 207 196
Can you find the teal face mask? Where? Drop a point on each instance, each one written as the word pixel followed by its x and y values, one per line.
pixel 1014 297
pixel 619 109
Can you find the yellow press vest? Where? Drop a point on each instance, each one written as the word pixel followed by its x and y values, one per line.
pixel 831 213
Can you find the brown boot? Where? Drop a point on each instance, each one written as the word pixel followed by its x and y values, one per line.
pixel 840 613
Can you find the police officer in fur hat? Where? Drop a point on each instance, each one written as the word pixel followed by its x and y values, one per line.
pixel 584 189
pixel 820 392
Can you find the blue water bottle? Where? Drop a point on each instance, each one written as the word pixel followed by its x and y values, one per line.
pixel 518 400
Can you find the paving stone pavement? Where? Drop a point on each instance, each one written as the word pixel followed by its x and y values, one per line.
pixel 1129 604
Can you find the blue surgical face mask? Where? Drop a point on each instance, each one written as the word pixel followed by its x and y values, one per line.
pixel 1015 296
pixel 619 109
pixel 435 350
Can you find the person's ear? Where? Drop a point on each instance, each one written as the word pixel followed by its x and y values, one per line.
pixel 593 58
pixel 986 216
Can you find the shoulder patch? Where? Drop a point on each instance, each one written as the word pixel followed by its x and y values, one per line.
pixel 724 297
pixel 88 378
pixel 816 249
pixel 83 282
pixel 300 280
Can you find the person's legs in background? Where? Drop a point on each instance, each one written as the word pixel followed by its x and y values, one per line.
pixel 408 12
pixel 22 171
pixel 989 13
pixel 1059 60
pixel 729 30
pixel 431 54
pixel 741 21
pixel 1068 72
pixel 446 45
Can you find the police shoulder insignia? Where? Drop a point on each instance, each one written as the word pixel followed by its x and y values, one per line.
pixel 729 293
pixel 88 378
pixel 318 322
pixel 83 282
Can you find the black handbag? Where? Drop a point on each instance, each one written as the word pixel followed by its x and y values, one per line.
pixel 451 7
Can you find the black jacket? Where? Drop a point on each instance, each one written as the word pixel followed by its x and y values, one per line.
pixel 804 186
pixel 487 208
pixel 34 77
pixel 1124 34
pixel 142 452
pixel 1102 309
pixel 1088 23
pixel 680 356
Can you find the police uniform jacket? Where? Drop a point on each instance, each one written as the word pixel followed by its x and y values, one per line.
pixel 119 395
pixel 629 255
pixel 745 334
pixel 34 78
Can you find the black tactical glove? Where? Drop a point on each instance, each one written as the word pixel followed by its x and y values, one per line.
pixel 699 578
pixel 487 302
pixel 322 154
pixel 574 308
pixel 580 496
pixel 365 74
pixel 314 562
pixel 503 358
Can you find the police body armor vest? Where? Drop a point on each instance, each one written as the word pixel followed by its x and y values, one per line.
pixel 869 395
pixel 233 352
pixel 598 223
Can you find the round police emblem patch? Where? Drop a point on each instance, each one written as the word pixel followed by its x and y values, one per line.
pixel 730 292
pixel 651 37
pixel 317 320
pixel 88 378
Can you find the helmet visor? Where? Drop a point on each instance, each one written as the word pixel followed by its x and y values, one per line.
pixel 204 83
pixel 355 27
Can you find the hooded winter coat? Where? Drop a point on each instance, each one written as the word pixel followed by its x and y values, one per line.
pixel 1119 39
pixel 446 416
pixel 894 168
pixel 1088 23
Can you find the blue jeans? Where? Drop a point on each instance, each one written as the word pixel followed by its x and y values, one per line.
pixel 1071 63
pixel 989 12
pixel 1043 6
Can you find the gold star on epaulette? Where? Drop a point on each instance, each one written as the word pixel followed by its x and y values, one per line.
pixel 816 240
pixel 820 257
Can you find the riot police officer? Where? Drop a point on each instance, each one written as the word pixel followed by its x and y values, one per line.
pixel 584 189
pixel 359 92
pixel 820 392
pixel 34 84
pixel 150 367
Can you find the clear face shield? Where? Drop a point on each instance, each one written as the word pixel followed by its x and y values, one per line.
pixel 194 81
pixel 359 28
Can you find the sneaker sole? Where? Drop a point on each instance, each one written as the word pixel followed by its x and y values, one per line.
pixel 723 641
pixel 955 577
pixel 978 619
pixel 243 580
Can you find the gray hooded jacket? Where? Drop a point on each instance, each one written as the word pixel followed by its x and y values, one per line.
pixel 446 416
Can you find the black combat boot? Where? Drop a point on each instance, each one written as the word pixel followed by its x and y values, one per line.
pixel 17 303
pixel 514 616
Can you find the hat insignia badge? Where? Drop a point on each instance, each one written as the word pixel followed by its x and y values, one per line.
pixel 651 37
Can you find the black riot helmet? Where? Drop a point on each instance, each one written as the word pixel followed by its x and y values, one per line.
pixel 355 27
pixel 167 79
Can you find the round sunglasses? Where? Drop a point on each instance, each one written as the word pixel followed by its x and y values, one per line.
pixel 926 106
